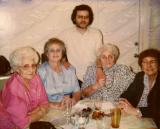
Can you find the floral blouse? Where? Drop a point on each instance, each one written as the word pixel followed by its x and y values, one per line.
pixel 118 78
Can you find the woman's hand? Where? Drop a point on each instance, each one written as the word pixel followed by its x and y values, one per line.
pixel 67 101
pixel 100 83
pixel 100 74
pixel 100 78
pixel 125 105
pixel 37 113
pixel 56 105
pixel 34 110
pixel 44 108
pixel 73 101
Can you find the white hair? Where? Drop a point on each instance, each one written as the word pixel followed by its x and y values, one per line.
pixel 19 54
pixel 109 47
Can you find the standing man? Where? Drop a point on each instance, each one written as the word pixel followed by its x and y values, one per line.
pixel 81 40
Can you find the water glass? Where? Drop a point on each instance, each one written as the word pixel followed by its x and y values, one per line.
pixel 68 109
pixel 79 121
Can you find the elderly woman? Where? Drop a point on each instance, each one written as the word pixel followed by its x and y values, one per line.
pixel 117 77
pixel 23 98
pixel 142 96
pixel 61 83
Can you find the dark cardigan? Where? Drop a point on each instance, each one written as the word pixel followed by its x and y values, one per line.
pixel 134 93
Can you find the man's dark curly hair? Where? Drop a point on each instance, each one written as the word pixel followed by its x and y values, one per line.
pixel 149 53
pixel 80 8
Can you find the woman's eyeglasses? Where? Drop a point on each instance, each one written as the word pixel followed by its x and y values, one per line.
pixel 27 66
pixel 151 62
pixel 55 50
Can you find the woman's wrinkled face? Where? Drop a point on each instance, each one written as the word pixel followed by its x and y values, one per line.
pixel 54 53
pixel 27 69
pixel 107 59
pixel 150 66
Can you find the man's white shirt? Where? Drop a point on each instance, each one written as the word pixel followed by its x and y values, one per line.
pixel 81 48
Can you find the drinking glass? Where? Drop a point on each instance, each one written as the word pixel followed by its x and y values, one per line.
pixel 79 121
pixel 68 109
pixel 116 116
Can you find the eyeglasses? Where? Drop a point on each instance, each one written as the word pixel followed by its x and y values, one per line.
pixel 55 50
pixel 82 17
pixel 27 66
pixel 110 57
pixel 151 62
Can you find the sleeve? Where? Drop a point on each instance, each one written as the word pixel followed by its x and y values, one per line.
pixel 130 95
pixel 99 39
pixel 43 96
pixel 17 109
pixel 74 82
pixel 42 73
pixel 146 111
pixel 89 77
pixel 127 77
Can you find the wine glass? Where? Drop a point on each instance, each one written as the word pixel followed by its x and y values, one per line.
pixel 79 120
pixel 68 109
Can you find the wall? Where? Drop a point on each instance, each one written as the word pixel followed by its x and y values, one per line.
pixel 32 22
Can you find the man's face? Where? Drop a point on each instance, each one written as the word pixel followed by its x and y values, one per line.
pixel 82 19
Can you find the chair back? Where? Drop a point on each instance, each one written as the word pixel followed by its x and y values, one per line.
pixel 4 66
pixel 2 81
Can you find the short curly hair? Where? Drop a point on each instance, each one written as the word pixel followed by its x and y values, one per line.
pixel 149 53
pixel 17 56
pixel 111 48
pixel 80 8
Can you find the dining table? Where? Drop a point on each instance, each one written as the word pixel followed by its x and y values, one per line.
pixel 59 118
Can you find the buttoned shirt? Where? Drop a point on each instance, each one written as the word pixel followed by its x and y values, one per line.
pixel 58 84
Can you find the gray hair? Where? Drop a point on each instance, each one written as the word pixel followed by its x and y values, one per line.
pixel 20 53
pixel 109 47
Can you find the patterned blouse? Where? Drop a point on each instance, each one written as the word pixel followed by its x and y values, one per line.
pixel 143 100
pixel 118 78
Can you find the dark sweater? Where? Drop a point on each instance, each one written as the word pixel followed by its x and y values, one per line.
pixel 134 92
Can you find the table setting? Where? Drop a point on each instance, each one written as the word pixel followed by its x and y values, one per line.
pixel 96 114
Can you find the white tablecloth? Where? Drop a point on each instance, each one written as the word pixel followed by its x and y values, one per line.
pixel 127 121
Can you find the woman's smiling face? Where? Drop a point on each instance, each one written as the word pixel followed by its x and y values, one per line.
pixel 150 66
pixel 54 53
pixel 27 70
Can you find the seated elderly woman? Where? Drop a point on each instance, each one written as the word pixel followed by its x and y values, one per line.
pixel 142 96
pixel 116 80
pixel 61 83
pixel 23 98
